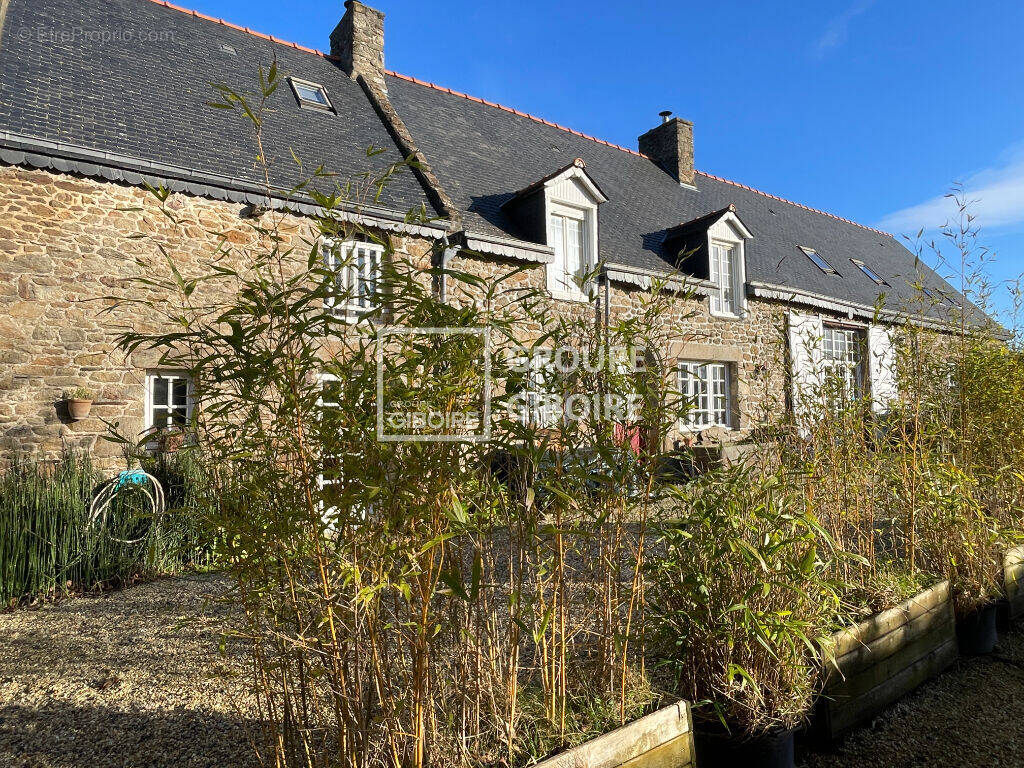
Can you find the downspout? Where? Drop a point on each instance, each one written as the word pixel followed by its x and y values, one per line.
pixel 447 254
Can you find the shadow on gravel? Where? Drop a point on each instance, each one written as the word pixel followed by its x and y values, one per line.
pixel 66 736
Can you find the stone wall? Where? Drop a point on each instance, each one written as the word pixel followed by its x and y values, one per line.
pixel 753 347
pixel 70 246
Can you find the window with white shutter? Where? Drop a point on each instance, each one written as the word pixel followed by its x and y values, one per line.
pixel 882 364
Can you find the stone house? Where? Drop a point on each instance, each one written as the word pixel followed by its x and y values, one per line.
pixel 99 98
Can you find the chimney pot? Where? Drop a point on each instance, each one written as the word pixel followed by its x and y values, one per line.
pixel 670 145
pixel 358 41
pixel 665 115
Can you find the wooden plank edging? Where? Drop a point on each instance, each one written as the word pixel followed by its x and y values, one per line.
pixel 883 623
pixel 885 657
pixel 630 742
pixel 1013 580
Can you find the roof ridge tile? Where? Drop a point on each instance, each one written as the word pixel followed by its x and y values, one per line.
pixel 606 143
pixel 247 30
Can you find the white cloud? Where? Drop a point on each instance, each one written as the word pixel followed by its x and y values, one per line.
pixel 837 30
pixel 996 195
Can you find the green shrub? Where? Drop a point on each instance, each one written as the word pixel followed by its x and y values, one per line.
pixel 742 598
pixel 49 548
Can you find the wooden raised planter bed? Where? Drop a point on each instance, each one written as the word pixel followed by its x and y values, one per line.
pixel 885 657
pixel 1013 582
pixel 662 739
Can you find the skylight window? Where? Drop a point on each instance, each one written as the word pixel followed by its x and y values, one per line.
pixel 869 272
pixel 819 261
pixel 310 94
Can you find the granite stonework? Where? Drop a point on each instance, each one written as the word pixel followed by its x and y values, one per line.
pixel 69 246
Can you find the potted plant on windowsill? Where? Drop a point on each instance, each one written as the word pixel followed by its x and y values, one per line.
pixel 743 604
pixel 79 402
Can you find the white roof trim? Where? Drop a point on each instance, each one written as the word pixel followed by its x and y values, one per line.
pixel 645 278
pixel 732 219
pixel 509 248
pixel 577 173
pixel 850 309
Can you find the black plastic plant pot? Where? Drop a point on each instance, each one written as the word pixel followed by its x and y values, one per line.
pixel 717 749
pixel 976 632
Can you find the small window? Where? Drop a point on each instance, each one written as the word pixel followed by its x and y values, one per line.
pixel 356 268
pixel 726 296
pixel 538 402
pixel 869 272
pixel 310 94
pixel 705 391
pixel 819 261
pixel 168 400
pixel 567 233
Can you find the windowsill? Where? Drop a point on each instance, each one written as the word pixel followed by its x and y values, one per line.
pixel 688 430
pixel 579 298
pixel 727 315
pixel 351 316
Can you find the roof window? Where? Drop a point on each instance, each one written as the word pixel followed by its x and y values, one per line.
pixel 310 94
pixel 869 272
pixel 818 260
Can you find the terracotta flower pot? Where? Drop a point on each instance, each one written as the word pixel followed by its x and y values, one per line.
pixel 79 409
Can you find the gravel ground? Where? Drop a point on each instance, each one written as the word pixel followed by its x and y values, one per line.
pixel 133 679
pixel 130 679
pixel 972 716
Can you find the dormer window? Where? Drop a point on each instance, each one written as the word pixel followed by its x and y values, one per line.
pixel 712 249
pixel 724 295
pixel 567 235
pixel 560 211
pixel 310 95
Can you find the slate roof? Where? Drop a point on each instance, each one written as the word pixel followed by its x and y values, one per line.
pixel 146 97
pixel 483 154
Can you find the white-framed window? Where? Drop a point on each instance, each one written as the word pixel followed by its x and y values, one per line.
pixel 538 401
pixel 705 390
pixel 356 266
pixel 168 400
pixel 330 470
pixel 842 355
pixel 310 94
pixel 568 235
pixel 727 291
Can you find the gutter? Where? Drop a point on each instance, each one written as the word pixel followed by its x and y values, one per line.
pixel 852 310
pixel 17 149
pixel 646 278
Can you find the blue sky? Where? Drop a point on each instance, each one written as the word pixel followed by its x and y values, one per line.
pixel 870 109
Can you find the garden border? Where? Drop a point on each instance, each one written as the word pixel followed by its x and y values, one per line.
pixel 662 739
pixel 883 658
pixel 1013 582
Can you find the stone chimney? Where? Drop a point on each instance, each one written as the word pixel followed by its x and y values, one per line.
pixel 670 145
pixel 358 41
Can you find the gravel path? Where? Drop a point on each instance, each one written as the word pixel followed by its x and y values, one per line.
pixel 971 717
pixel 131 679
